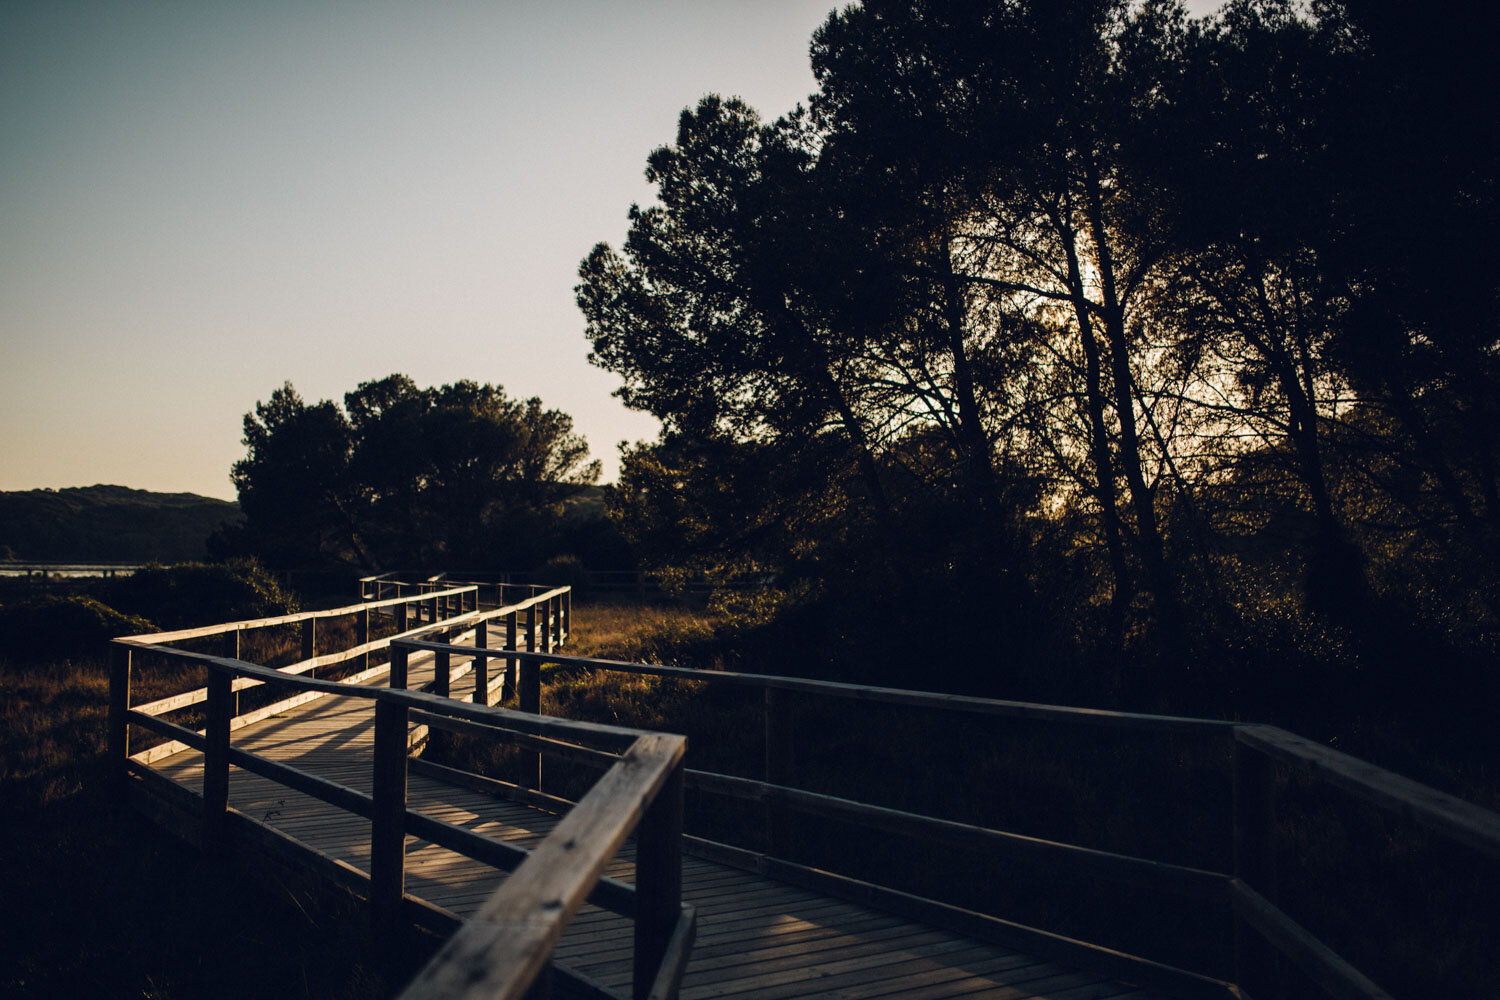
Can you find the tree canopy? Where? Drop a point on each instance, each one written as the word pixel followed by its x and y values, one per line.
pixel 1185 312
pixel 404 477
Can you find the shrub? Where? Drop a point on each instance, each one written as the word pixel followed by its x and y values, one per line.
pixel 191 594
pixel 562 571
pixel 53 627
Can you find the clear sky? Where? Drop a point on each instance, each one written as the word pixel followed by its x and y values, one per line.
pixel 202 199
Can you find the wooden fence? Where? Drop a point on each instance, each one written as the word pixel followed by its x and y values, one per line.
pixel 638 584
pixel 504 949
pixel 1265 936
pixel 644 775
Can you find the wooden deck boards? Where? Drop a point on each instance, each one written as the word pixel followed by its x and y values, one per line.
pixel 756 938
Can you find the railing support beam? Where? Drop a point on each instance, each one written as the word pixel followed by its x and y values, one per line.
pixel 442 672
pixel 388 821
pixel 362 637
pixel 1257 965
pixel 779 768
pixel 310 641
pixel 216 759
pixel 482 664
pixel 529 699
pixel 512 666
pixel 658 882
pixel 399 657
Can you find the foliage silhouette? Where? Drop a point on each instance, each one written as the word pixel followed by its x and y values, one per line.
pixel 403 477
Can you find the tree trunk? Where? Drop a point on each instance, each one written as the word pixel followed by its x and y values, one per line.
pixel 1104 475
pixel 978 462
pixel 1148 533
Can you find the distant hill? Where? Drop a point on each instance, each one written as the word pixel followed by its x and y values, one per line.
pixel 109 524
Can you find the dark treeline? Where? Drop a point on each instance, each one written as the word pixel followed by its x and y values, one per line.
pixel 1096 351
pixel 400 477
pixel 108 523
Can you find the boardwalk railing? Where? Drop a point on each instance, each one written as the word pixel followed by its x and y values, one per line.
pixel 407 616
pixel 503 950
pixel 489 594
pixel 1265 936
pixel 639 584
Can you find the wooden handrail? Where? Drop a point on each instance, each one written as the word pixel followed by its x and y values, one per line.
pixel 1194 882
pixel 501 718
pixel 1462 821
pixel 445 629
pixel 501 950
pixel 1251 887
pixel 861 692
pixel 206 630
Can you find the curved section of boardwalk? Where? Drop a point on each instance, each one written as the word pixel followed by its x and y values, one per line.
pixel 756 937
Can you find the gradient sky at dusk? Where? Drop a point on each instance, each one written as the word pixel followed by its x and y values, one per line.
pixel 201 200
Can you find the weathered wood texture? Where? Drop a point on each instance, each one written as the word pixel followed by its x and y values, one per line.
pixel 755 937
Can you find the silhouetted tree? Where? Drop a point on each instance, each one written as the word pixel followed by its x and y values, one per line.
pixel 458 475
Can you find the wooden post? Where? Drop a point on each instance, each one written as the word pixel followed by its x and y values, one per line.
pixel 119 704
pixel 398 666
pixel 529 699
pixel 481 663
pixel 232 650
pixel 568 613
pixel 512 678
pixel 401 610
pixel 432 609
pixel 216 759
pixel 658 882
pixel 1257 964
pixel 310 641
pixel 780 765
pixel 362 636
pixel 388 821
pixel 442 672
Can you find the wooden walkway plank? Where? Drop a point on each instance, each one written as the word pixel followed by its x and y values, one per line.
pixel 977 979
pixel 787 983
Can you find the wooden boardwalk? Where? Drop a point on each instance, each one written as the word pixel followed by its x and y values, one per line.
pixel 755 938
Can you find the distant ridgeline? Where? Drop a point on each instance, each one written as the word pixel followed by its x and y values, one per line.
pixel 109 524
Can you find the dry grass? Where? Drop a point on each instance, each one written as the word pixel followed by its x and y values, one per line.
pixel 615 629
pixel 51 731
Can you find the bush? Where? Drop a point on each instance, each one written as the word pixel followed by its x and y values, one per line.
pixel 192 594
pixel 562 571
pixel 52 627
